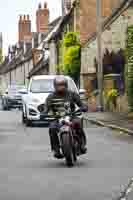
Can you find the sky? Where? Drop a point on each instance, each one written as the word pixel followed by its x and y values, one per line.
pixel 9 16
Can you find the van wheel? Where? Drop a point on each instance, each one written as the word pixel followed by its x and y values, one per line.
pixel 23 118
pixel 28 122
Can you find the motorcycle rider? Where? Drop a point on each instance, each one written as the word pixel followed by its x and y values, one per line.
pixel 62 93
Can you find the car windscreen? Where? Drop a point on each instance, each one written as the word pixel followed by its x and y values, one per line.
pixel 42 86
pixel 47 86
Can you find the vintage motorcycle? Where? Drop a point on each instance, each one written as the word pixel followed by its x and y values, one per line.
pixel 68 138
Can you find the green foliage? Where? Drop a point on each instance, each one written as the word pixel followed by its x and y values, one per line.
pixel 112 93
pixel 110 97
pixel 130 67
pixel 71 39
pixel 69 59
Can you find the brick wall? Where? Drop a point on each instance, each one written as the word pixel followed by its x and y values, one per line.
pixel 87 18
pixel 88 15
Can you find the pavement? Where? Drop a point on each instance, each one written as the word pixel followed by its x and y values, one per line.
pixel 28 170
pixel 117 121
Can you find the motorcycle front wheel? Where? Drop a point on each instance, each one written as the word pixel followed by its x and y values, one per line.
pixel 68 151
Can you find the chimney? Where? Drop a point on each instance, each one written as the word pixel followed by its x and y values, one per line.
pixel 42 18
pixel 24 28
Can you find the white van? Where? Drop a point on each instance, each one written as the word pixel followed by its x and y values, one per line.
pixel 39 89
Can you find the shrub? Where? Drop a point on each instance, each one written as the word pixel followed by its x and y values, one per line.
pixel 70 64
pixel 130 67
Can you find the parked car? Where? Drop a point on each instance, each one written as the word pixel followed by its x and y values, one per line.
pixel 12 97
pixel 39 89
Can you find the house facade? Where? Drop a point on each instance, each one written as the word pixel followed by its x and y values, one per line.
pixel 40 52
pixel 114 44
pixel 25 56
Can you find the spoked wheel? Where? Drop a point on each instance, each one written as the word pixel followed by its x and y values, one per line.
pixel 68 152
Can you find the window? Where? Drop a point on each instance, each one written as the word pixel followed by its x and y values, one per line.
pixel 47 86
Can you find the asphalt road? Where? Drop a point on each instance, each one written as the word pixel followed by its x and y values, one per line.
pixel 29 172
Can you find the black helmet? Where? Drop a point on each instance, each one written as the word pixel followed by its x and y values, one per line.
pixel 60 80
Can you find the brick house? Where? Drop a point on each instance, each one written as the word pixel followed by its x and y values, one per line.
pixel 80 16
pixel 51 42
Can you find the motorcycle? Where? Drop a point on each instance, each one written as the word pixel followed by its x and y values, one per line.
pixel 68 138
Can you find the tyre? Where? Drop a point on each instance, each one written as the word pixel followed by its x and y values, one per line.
pixel 7 108
pixel 23 118
pixel 28 122
pixel 4 105
pixel 68 150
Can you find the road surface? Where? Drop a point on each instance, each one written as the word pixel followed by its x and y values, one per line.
pixel 29 172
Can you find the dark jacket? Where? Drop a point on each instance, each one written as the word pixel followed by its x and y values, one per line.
pixel 55 102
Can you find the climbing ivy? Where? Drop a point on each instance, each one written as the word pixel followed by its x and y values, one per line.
pixel 70 64
pixel 130 67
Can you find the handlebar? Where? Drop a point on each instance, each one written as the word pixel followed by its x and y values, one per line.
pixel 53 117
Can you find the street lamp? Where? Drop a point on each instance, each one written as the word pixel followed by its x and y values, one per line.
pixel 99 53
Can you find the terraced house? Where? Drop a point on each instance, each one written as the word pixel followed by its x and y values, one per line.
pixel 39 53
pixel 77 16
pixel 24 55
pixel 117 65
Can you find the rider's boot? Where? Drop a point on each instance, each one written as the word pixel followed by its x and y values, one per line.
pixel 83 147
pixel 58 154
